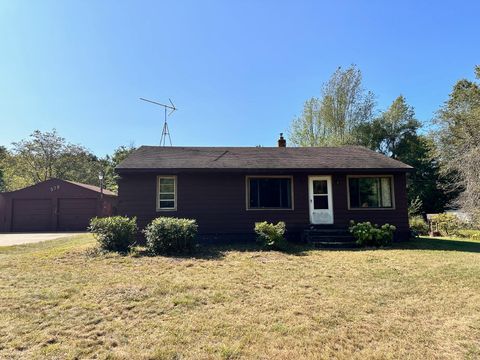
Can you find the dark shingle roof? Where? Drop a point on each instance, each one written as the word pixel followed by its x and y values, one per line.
pixel 345 157
pixel 92 187
pixel 54 180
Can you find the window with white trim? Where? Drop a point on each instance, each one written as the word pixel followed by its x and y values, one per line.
pixel 370 192
pixel 167 193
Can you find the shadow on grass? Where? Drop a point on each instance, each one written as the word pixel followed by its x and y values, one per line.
pixel 299 249
pixel 218 251
pixel 199 252
pixel 424 243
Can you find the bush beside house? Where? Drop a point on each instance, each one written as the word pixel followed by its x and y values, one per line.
pixel 166 235
pixel 115 233
pixel 366 234
pixel 271 236
pixel 170 235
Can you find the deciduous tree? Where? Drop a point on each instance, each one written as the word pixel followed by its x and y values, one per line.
pixel 46 155
pixel 110 162
pixel 393 127
pixel 3 157
pixel 458 142
pixel 425 185
pixel 333 118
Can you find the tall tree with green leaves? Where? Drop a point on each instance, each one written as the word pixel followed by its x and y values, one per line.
pixel 458 142
pixel 46 155
pixel 334 117
pixel 395 133
pixel 394 126
pixel 3 157
pixel 110 162
pixel 425 185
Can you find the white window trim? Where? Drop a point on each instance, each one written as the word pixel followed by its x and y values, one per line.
pixel 392 182
pixel 174 208
pixel 247 192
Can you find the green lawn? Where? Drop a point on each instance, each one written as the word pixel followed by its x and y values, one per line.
pixel 63 300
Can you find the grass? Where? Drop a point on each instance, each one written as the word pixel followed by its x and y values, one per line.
pixel 63 300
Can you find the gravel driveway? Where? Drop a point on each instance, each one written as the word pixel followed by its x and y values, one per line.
pixel 7 239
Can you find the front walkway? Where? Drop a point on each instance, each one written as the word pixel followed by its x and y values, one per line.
pixel 8 239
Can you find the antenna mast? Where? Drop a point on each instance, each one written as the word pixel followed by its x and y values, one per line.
pixel 165 131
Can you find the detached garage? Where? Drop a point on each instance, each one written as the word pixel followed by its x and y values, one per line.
pixel 54 205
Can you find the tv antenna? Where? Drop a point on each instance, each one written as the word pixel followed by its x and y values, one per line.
pixel 165 131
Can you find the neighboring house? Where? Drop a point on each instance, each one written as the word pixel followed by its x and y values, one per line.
pixel 54 205
pixel 228 189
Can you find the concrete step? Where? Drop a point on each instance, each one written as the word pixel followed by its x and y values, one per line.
pixel 327 232
pixel 329 237
pixel 335 244
pixel 326 238
pixel 331 230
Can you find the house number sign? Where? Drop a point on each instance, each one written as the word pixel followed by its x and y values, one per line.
pixel 54 188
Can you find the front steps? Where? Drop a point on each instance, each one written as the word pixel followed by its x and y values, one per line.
pixel 331 238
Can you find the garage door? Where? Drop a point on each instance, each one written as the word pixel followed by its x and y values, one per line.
pixel 32 215
pixel 75 214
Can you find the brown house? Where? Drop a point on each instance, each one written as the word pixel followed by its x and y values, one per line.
pixel 228 189
pixel 54 205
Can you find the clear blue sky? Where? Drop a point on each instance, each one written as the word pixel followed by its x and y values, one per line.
pixel 239 71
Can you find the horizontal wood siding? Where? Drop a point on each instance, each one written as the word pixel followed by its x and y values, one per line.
pixel 218 202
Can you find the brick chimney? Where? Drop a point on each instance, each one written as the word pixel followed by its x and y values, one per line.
pixel 282 142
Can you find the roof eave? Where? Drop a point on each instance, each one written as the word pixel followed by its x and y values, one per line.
pixel 336 170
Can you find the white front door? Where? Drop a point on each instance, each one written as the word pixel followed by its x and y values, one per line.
pixel 320 198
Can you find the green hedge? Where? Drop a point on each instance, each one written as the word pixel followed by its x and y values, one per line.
pixel 170 235
pixel 115 233
pixel 367 234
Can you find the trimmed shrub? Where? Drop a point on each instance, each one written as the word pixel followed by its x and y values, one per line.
pixel 367 234
pixel 115 233
pixel 170 235
pixel 271 236
pixel 418 225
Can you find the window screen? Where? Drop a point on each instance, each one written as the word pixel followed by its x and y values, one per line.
pixel 270 193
